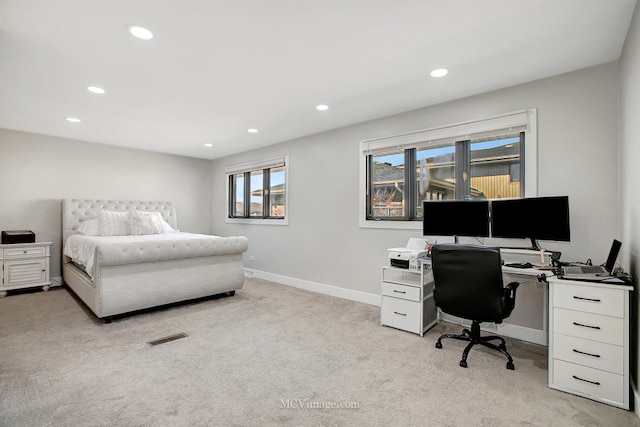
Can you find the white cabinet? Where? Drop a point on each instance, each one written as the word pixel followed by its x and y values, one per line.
pixel 407 299
pixel 589 340
pixel 25 265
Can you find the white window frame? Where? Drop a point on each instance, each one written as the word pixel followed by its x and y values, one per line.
pixel 248 167
pixel 518 121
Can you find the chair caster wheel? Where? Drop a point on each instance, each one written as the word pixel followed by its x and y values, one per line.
pixel 438 344
pixel 510 366
pixel 463 363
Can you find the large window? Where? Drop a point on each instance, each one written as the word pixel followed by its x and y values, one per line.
pixel 258 191
pixel 485 159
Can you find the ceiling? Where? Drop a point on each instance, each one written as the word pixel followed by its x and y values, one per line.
pixel 216 68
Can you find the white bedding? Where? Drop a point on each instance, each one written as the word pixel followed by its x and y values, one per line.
pixel 81 248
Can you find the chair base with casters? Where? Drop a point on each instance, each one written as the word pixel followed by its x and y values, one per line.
pixel 473 336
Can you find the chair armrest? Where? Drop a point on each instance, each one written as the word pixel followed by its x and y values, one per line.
pixel 511 287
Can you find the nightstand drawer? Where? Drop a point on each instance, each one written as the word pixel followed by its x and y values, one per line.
pixel 21 252
pixel 606 357
pixel 590 326
pixel 401 314
pixel 609 302
pixel 592 382
pixel 395 290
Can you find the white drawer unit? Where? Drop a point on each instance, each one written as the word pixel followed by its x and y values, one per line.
pixel 407 299
pixel 589 340
pixel 25 265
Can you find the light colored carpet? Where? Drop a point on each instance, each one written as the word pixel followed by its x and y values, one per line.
pixel 269 356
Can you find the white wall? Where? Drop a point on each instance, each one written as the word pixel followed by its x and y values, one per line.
pixel 577 119
pixel 37 171
pixel 630 171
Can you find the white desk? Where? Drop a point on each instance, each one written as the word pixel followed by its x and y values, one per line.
pixel 589 340
pixel 586 326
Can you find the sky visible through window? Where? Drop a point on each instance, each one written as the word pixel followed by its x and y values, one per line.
pixel 398 159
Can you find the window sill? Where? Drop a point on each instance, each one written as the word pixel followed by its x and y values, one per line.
pixel 395 225
pixel 257 221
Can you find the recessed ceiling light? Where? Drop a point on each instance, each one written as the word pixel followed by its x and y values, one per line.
pixel 72 119
pixel 140 32
pixel 439 72
pixel 322 107
pixel 96 89
pixel 208 145
pixel 252 130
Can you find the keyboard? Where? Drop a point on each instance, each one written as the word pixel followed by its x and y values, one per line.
pixel 590 269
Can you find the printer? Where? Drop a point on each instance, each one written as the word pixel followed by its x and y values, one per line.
pixel 410 256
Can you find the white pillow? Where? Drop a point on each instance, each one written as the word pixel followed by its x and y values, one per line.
pixel 141 222
pixel 90 227
pixel 166 228
pixel 114 223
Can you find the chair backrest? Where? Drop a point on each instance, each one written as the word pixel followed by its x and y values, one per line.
pixel 468 281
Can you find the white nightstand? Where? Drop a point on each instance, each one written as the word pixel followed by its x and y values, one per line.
pixel 25 265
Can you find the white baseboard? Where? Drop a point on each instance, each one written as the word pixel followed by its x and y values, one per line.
pixel 334 291
pixel 505 329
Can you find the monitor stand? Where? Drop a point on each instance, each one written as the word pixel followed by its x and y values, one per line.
pixel 534 246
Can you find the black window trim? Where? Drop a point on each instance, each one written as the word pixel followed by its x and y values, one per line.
pixel 246 169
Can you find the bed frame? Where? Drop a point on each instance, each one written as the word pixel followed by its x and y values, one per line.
pixel 156 275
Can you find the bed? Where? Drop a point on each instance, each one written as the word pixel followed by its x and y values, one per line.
pixel 120 257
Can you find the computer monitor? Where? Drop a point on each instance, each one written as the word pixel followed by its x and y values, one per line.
pixel 455 218
pixel 534 218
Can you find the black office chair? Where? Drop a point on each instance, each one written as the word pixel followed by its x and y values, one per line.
pixel 468 284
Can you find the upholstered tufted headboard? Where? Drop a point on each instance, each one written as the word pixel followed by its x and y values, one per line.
pixel 76 210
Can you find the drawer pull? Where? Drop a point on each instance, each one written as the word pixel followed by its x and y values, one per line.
pixel 586 381
pixel 400 314
pixel 399 292
pixel 586 299
pixel 586 354
pixel 586 326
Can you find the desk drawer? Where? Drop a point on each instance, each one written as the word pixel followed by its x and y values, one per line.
pixel 609 302
pixel 606 357
pixel 395 290
pixel 592 382
pixel 590 326
pixel 401 314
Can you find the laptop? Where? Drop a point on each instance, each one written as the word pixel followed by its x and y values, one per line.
pixel 594 272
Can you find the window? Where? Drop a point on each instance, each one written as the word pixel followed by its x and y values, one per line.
pixel 485 159
pixel 257 192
